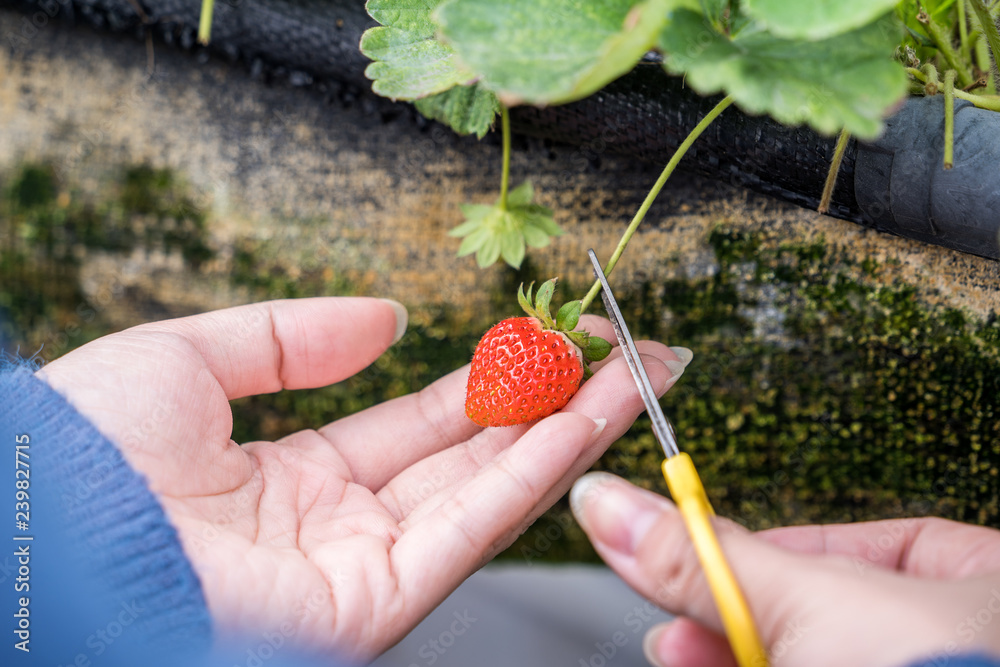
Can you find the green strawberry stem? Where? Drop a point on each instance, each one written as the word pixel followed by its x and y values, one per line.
pixel 205 21
pixel 949 118
pixel 831 174
pixel 641 213
pixel 963 29
pixel 991 102
pixel 505 176
pixel 989 29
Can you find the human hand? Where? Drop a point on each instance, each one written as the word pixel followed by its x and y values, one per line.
pixel 342 538
pixel 883 593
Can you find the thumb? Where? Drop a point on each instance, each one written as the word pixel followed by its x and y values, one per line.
pixel 799 602
pixel 642 536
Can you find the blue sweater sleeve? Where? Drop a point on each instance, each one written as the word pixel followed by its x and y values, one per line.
pixel 980 660
pixel 93 573
pixel 92 564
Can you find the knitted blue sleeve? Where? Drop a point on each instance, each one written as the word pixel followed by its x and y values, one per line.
pixel 83 533
pixel 92 574
pixel 951 660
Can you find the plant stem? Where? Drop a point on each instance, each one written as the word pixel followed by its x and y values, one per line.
pixel 831 175
pixel 931 85
pixel 505 177
pixel 205 22
pixel 989 28
pixel 991 102
pixel 983 62
pixel 641 213
pixel 949 118
pixel 963 28
pixel 943 43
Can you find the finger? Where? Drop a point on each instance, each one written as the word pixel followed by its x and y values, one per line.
pixel 387 438
pixel 800 602
pixel 685 643
pixel 596 325
pixel 484 515
pixel 642 536
pixel 289 344
pixel 601 326
pixel 380 443
pixel 610 395
pixel 925 547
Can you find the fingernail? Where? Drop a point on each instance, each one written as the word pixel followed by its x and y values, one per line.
pixel 684 354
pixel 651 642
pixel 402 317
pixel 614 512
pixel 599 425
pixel 676 369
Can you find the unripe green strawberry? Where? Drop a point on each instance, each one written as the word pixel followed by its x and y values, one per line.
pixel 526 368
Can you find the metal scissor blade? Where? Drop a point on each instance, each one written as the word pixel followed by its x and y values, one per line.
pixel 662 428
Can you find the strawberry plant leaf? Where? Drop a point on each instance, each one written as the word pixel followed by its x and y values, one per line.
pixel 816 19
pixel 521 195
pixel 569 315
pixel 543 300
pixel 534 236
pixel 495 232
pixel 410 62
pixel 553 51
pixel 847 81
pixel 465 109
pixel 597 348
pixel 714 10
pixel 525 301
pixel 489 252
pixel 512 247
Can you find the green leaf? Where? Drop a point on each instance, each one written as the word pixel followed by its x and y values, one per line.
pixel 512 248
pixel 489 252
pixel 473 242
pixel 844 81
pixel 465 109
pixel 525 301
pixel 714 10
pixel 542 219
pixel 815 19
pixel 597 348
pixel 498 233
pixel 569 315
pixel 543 299
pixel 521 195
pixel 550 51
pixel 535 237
pixel 410 62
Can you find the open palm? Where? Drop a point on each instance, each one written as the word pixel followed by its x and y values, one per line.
pixel 344 537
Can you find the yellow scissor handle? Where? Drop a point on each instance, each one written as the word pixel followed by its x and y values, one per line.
pixel 689 494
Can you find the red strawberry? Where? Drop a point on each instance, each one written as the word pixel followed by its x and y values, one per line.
pixel 526 368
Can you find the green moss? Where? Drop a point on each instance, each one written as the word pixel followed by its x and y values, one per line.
pixel 47 225
pixel 866 406
pixel 34 186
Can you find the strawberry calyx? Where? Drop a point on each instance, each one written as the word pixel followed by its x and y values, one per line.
pixel 593 348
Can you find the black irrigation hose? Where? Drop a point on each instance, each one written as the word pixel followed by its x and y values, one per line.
pixel 895 184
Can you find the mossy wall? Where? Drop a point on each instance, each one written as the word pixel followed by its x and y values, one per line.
pixel 838 374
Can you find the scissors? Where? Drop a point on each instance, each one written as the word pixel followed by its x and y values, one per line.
pixel 689 494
